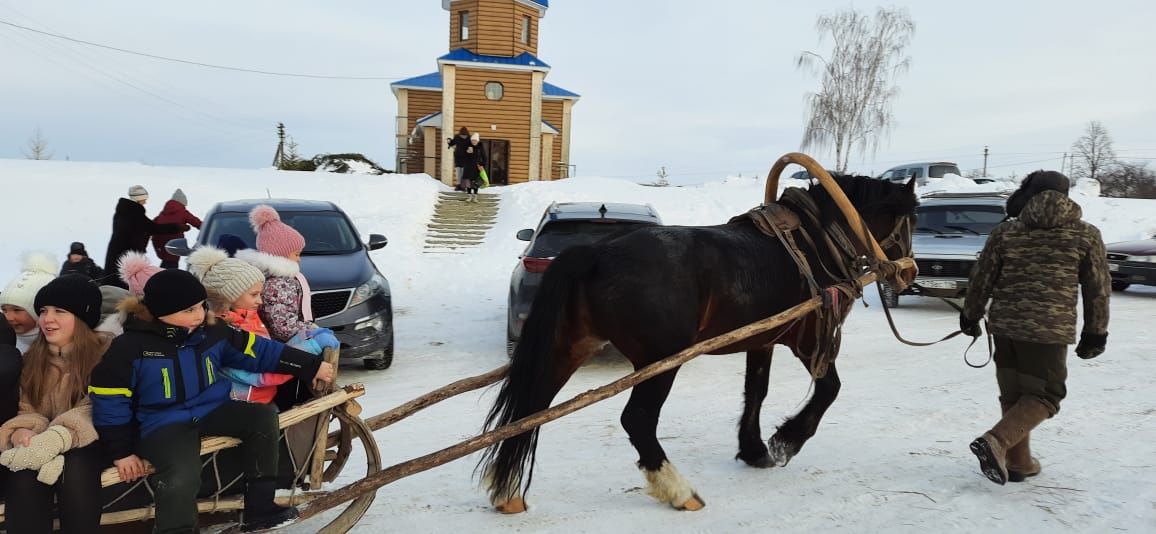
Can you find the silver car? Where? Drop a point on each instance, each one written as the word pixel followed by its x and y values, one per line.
pixel 950 231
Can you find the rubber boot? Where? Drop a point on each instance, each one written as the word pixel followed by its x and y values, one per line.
pixel 991 448
pixel 1020 463
pixel 261 513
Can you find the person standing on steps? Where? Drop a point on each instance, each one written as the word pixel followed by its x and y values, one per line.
pixel 474 162
pixel 459 144
pixel 1030 269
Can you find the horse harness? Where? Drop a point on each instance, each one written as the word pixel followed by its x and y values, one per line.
pixel 782 220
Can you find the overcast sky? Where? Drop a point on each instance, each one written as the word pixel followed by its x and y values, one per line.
pixel 705 89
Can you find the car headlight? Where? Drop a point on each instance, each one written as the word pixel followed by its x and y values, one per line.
pixel 368 290
pixel 1143 259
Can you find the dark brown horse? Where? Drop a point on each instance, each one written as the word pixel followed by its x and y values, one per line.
pixel 655 291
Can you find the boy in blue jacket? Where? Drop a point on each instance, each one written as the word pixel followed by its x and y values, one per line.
pixel 157 391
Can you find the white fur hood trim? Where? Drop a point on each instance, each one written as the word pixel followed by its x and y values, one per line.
pixel 269 264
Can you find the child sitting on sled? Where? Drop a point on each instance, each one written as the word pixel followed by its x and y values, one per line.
pixel 156 392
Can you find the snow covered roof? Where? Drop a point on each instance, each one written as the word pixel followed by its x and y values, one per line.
pixel 523 61
pixel 433 82
pixel 434 120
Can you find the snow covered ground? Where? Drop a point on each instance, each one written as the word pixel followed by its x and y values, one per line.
pixel 891 454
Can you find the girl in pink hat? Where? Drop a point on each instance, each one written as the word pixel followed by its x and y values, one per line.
pixel 285 299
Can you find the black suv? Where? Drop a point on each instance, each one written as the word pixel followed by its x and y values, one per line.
pixel 350 296
pixel 564 225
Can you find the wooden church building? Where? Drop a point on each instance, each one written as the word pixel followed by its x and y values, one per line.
pixel 493 83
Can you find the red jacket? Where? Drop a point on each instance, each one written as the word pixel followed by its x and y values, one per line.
pixel 173 213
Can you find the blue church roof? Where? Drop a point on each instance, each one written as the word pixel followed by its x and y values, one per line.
pixel 549 89
pixel 525 59
pixel 433 81
pixel 543 3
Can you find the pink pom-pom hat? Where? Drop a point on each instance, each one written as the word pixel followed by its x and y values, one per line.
pixel 136 270
pixel 273 236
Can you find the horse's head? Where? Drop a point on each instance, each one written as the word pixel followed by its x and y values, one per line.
pixel 887 210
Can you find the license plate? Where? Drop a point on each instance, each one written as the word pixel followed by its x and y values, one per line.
pixel 937 284
pixel 1113 267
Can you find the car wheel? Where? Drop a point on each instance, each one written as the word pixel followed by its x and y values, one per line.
pixel 378 364
pixel 890 298
pixel 385 360
pixel 1120 285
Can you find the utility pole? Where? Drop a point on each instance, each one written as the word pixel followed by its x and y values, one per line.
pixel 985 161
pixel 1063 162
pixel 279 157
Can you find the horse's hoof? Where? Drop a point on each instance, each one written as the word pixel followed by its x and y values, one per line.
pixel 763 461
pixel 693 504
pixel 516 505
pixel 780 452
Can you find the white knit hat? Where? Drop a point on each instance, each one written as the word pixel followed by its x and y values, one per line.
pixel 38 270
pixel 225 279
pixel 138 193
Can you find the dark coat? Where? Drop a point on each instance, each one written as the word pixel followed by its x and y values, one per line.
pixel 1031 268
pixel 474 156
pixel 85 267
pixel 131 229
pixel 459 144
pixel 10 364
pixel 173 213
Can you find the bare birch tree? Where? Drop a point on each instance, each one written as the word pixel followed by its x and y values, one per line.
pixel 852 108
pixel 37 147
pixel 1093 152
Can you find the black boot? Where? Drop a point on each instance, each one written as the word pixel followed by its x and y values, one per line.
pixel 261 513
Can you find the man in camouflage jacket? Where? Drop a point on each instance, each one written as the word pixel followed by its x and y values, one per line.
pixel 1030 268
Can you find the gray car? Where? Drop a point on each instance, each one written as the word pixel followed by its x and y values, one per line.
pixel 950 231
pixel 564 225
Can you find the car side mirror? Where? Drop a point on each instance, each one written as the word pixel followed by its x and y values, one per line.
pixel 525 234
pixel 377 242
pixel 178 247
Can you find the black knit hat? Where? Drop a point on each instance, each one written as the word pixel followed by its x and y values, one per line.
pixel 171 291
pixel 7 334
pixel 74 293
pixel 77 248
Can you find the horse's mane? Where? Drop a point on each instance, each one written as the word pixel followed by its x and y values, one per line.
pixel 869 195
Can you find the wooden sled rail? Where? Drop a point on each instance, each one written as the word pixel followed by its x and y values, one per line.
pixel 454 389
pixel 210 445
pixel 476 443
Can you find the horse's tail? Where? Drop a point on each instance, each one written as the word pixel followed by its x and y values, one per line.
pixel 534 376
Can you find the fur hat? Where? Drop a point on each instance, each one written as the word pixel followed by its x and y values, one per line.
pixel 74 293
pixel 274 236
pixel 38 271
pixel 135 269
pixel 179 196
pixel 171 291
pixel 138 193
pixel 225 279
pixel 1036 182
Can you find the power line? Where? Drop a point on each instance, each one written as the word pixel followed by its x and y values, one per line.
pixel 197 63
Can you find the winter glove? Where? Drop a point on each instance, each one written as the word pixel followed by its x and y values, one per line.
pixel 41 448
pixel 50 472
pixel 324 338
pixel 969 327
pixel 1091 345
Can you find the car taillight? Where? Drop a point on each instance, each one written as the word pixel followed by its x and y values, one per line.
pixel 535 265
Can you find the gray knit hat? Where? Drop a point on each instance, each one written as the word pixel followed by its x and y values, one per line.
pixel 138 193
pixel 179 196
pixel 225 279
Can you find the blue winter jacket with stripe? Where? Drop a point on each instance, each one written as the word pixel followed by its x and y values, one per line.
pixel 155 375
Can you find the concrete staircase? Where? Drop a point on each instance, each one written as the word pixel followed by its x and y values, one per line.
pixel 458 224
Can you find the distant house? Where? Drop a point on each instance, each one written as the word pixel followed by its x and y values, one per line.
pixel 492 83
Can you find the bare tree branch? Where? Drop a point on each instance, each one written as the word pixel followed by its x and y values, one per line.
pixel 1093 151
pixel 852 108
pixel 37 147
